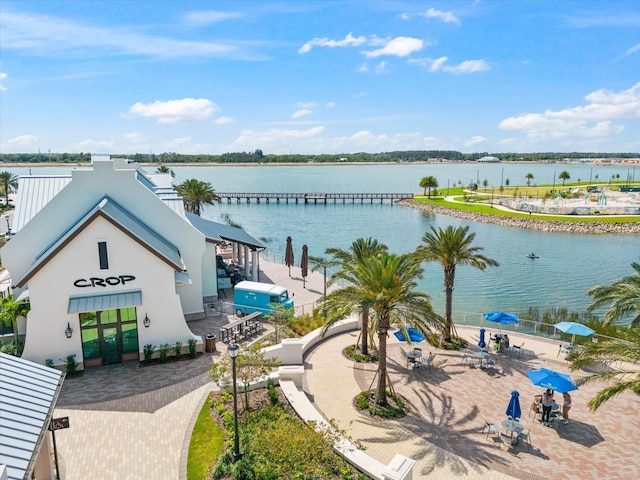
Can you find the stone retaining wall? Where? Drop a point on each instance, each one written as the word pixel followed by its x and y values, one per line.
pixel 533 223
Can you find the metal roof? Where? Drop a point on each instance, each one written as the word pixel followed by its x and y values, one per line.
pixel 34 192
pixel 108 301
pixel 28 394
pixel 217 232
pixel 118 215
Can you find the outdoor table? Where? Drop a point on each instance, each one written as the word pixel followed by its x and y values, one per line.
pixel 481 355
pixel 413 355
pixel 513 426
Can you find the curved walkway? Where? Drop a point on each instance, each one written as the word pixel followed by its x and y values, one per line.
pixel 132 423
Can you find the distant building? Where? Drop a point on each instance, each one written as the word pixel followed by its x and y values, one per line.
pixel 488 160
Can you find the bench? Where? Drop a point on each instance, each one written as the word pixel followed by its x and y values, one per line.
pixel 241 328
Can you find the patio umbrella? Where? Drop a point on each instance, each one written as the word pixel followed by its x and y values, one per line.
pixel 288 255
pixel 545 378
pixel 502 318
pixel 574 328
pixel 513 409
pixel 482 343
pixel 414 335
pixel 304 264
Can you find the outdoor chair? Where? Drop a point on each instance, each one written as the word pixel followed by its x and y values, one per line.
pixel 507 440
pixel 525 437
pixel 467 359
pixel 518 349
pixel 428 361
pixel 536 407
pixel 490 428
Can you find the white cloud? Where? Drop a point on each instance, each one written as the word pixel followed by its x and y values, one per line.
pixel 445 17
pixel 399 47
pixel 595 119
pixel 22 141
pixel 381 68
pixel 176 144
pixel 330 104
pixel 273 139
pixel 91 145
pixel 363 68
pixel 2 78
pixel 224 120
pixel 628 52
pixel 174 111
pixel 307 104
pixel 137 137
pixel 208 17
pixel 475 140
pixel 439 64
pixel 348 41
pixel 301 113
pixel 508 141
pixel 48 34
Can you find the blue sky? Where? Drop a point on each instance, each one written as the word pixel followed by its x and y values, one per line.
pixel 319 76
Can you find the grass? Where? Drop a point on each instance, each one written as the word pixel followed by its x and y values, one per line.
pixel 538 191
pixel 207 443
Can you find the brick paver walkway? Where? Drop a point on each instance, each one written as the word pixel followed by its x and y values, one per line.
pixel 130 422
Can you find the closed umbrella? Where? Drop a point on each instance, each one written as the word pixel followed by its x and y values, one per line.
pixel 288 255
pixel 573 329
pixel 304 265
pixel 414 335
pixel 545 378
pixel 482 343
pixel 513 409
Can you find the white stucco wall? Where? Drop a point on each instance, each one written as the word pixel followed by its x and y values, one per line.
pixel 51 287
pixel 209 271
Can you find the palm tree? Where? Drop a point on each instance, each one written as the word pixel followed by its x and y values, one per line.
pixel 452 247
pixel 10 310
pixel 360 250
pixel 9 183
pixel 385 284
pixel 165 169
pixel 428 182
pixel 318 263
pixel 564 175
pixel 196 194
pixel 619 359
pixel 621 298
pixel 529 177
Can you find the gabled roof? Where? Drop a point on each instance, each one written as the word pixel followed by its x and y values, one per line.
pixel 218 232
pixel 121 218
pixel 28 395
pixel 34 193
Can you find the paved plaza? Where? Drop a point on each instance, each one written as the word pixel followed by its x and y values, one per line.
pixel 131 422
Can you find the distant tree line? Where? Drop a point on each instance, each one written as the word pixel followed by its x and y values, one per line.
pixel 259 157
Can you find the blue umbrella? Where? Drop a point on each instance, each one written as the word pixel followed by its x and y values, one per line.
pixel 513 409
pixel 545 378
pixel 501 317
pixel 574 328
pixel 414 335
pixel 482 343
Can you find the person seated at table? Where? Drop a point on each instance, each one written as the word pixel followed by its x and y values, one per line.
pixel 506 340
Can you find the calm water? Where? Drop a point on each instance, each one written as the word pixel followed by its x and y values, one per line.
pixel 568 265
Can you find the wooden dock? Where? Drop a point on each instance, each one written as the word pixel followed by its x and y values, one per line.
pixel 314 198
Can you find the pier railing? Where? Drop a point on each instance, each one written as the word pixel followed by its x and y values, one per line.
pixel 313 197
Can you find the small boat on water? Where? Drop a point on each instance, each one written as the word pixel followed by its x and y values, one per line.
pixel 533 255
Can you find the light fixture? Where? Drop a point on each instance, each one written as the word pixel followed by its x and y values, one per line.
pixel 146 321
pixel 233 350
pixel 68 331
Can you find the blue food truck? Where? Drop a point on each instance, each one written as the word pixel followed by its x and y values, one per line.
pixel 249 297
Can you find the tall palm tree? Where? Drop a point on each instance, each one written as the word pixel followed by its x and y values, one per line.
pixel 619 358
pixel 529 177
pixel 428 182
pixel 385 284
pixel 621 298
pixel 8 183
pixel 452 247
pixel 564 175
pixel 196 194
pixel 360 249
pixel 10 310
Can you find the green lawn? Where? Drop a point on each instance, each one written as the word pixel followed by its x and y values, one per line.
pixel 207 443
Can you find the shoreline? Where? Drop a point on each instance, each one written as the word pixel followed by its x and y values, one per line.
pixel 538 224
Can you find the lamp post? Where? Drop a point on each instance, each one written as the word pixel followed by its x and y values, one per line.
pixel 233 350
pixel 491 197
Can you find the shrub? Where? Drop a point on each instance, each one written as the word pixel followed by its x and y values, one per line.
pixel 192 348
pixel 148 352
pixel 49 362
pixel 10 349
pixel 177 349
pixel 71 365
pixel 271 391
pixel 164 352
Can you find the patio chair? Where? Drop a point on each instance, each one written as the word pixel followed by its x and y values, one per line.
pixel 467 359
pixel 428 361
pixel 518 349
pixel 536 407
pixel 490 428
pixel 525 437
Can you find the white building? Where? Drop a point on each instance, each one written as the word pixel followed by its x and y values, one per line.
pixel 111 262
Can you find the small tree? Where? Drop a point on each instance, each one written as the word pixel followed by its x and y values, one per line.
pixel 428 182
pixel 529 177
pixel 10 310
pixel 485 184
pixel 564 175
pixel 8 183
pixel 279 316
pixel 251 364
